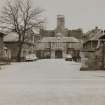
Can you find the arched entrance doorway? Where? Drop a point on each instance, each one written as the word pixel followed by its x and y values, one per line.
pixel 58 54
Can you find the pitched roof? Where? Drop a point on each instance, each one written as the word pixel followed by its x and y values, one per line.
pixel 94 36
pixel 60 39
pixel 97 35
pixel 11 37
pixel 44 43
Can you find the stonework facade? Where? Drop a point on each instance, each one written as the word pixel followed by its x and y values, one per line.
pixel 59 42
pixel 60 29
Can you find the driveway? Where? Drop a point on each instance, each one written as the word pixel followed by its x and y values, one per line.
pixel 51 82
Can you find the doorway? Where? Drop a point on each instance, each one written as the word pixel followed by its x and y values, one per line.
pixel 58 54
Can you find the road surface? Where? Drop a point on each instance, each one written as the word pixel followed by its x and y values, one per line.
pixel 51 82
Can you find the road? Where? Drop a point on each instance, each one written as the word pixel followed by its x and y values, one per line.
pixel 51 82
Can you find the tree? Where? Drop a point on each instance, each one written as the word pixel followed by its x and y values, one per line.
pixel 20 17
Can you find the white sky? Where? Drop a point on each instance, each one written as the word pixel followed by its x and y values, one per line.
pixel 84 14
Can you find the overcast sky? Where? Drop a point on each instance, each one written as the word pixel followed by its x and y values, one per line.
pixel 84 14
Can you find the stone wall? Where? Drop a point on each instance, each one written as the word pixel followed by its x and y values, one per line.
pixel 92 60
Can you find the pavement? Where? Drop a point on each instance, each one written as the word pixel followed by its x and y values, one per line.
pixel 51 82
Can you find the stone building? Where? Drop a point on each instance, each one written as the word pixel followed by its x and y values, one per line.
pixel 93 50
pixel 11 42
pixel 59 42
pixel 77 33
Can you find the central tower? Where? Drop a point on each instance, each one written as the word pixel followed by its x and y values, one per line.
pixel 60 25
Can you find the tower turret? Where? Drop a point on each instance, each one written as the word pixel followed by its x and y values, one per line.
pixel 60 24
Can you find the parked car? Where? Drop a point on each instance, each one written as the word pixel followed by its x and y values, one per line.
pixel 31 57
pixel 68 57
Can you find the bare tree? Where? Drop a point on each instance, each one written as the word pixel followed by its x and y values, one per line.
pixel 20 17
